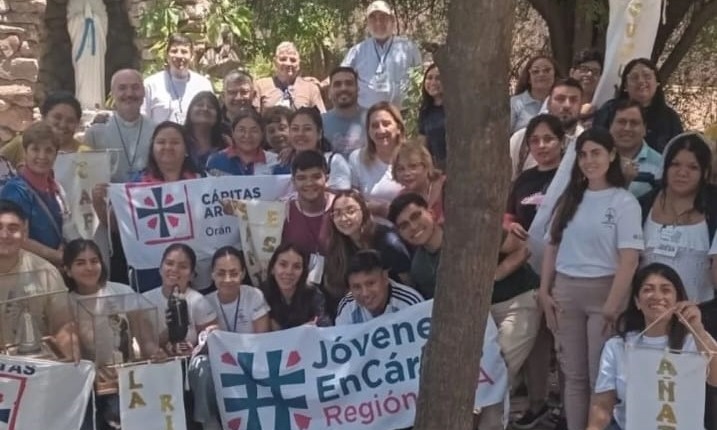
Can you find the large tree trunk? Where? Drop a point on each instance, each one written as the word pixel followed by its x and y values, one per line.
pixel 474 67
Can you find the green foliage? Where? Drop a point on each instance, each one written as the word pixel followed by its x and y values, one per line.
pixel 157 24
pixel 412 102
pixel 227 16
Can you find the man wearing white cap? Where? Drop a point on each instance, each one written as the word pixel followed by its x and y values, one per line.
pixel 382 61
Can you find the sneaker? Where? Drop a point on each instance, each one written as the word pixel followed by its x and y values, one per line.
pixel 530 419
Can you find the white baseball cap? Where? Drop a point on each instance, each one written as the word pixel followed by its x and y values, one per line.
pixel 379 6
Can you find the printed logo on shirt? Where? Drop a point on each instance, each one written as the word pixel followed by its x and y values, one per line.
pixel 610 217
pixel 161 214
pixel 534 199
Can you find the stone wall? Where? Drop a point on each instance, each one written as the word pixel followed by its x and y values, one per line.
pixel 20 36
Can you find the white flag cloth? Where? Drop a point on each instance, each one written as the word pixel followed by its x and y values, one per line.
pixel 152 216
pixel 152 396
pixel 351 377
pixel 40 394
pixel 664 389
pixel 630 34
pixel 260 224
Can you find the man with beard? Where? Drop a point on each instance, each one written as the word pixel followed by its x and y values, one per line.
pixel 383 61
pixel 237 94
pixel 286 87
pixel 564 103
pixel 169 92
pixel 345 124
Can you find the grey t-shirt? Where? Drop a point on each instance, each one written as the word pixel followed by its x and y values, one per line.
pixel 345 134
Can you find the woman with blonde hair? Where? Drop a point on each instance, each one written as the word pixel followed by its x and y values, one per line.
pixel 413 168
pixel 371 165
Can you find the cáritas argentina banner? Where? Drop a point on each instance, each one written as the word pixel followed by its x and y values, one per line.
pixel 362 376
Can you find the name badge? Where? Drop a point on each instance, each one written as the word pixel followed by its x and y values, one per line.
pixel 380 81
pixel 316 269
pixel 669 241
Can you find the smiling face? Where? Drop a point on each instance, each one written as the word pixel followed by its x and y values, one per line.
pixel 544 146
pixel 287 64
pixel 343 90
pixel 370 290
pixel 303 134
pixel 128 91
pixel 641 84
pixel 13 232
pixel 203 113
pixel 86 271
pixel 287 270
pixel 40 157
pixel 657 294
pixel 432 83
pixel 237 95
pixel 381 25
pixel 310 184
pixel 247 136
pixel 542 74
pixel 179 56
pixel 588 74
pixel 169 148
pixel 227 274
pixel 63 120
pixel 384 131
pixel 684 173
pixel 176 270
pixel 415 225
pixel 277 134
pixel 594 160
pixel 411 172
pixel 628 128
pixel 347 216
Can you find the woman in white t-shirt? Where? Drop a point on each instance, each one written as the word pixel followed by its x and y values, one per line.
pixel 177 269
pixel 371 165
pixel 107 339
pixel 656 289
pixel 241 309
pixel 592 253
pixel 679 219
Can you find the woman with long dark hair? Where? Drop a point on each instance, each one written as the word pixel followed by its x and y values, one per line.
pixel 657 316
pixel 534 84
pixel 204 127
pixel 293 301
pixel 680 217
pixel 640 82
pixel 593 251
pixel 432 116
pixel 352 229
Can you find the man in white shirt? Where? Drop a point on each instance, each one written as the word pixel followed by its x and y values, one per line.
pixel 564 102
pixel 383 61
pixel 169 92
pixel 371 292
pixel 345 124
pixel 126 130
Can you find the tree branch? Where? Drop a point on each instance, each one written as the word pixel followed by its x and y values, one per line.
pixel 675 13
pixel 699 19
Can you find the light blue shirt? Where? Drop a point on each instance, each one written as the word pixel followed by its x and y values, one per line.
pixel 345 134
pixel 399 55
pixel 649 166
pixel 523 107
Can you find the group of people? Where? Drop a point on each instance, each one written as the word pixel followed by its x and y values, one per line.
pixel 609 227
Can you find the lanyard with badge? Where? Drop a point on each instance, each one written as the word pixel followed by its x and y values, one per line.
pixel 130 160
pixel 174 95
pixel 669 241
pixel 380 81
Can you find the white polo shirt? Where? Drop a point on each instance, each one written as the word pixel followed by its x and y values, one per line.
pixel 167 98
pixel 398 56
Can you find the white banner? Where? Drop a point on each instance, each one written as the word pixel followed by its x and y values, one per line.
pixel 152 216
pixel 78 173
pixel 39 394
pixel 665 390
pixel 362 376
pixel 152 396
pixel 630 34
pixel 261 224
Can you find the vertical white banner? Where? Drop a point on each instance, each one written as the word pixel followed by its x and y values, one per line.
pixel 630 34
pixel 152 396
pixel 78 173
pixel 664 390
pixel 260 225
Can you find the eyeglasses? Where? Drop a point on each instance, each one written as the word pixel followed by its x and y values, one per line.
pixel 587 69
pixel 645 76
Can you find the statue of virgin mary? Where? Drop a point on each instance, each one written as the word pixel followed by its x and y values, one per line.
pixel 87 26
